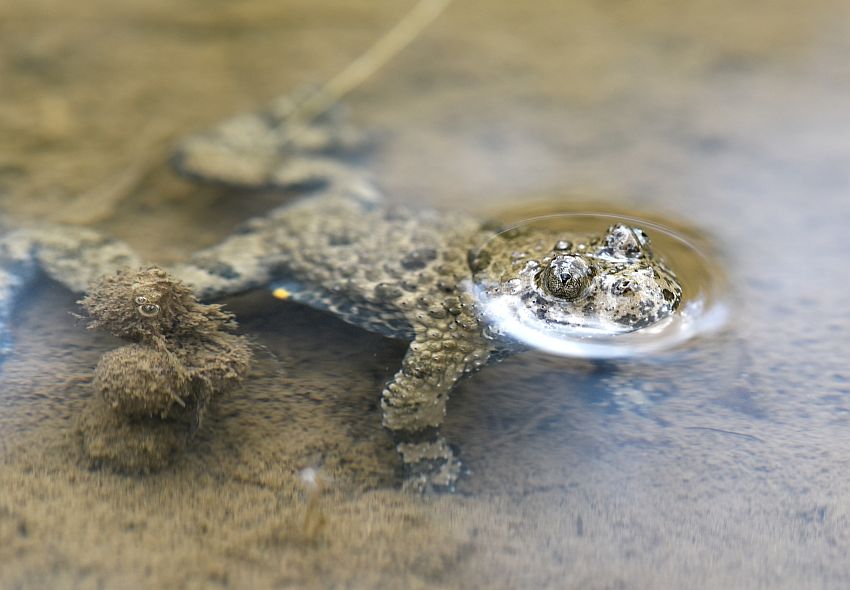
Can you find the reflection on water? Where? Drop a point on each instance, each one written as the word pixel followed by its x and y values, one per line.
pixel 720 463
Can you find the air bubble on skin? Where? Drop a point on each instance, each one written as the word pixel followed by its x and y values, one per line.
pixel 673 293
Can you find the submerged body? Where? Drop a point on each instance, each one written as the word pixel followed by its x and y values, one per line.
pixel 412 273
pixel 403 272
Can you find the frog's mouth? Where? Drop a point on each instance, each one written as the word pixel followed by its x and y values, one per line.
pixel 596 313
pixel 574 330
pixel 582 296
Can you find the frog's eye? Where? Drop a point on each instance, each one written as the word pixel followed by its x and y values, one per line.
pixel 566 277
pixel 140 300
pixel 148 310
pixel 622 241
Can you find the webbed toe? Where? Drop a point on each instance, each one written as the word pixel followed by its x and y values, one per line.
pixel 430 467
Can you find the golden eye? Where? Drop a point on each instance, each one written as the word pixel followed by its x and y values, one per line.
pixel 566 277
pixel 141 300
pixel 148 310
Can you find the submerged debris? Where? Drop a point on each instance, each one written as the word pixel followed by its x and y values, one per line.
pixel 182 357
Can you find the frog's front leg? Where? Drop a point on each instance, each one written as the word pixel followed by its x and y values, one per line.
pixel 414 403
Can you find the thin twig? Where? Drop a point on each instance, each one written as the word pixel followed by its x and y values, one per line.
pixel 721 431
pixel 365 66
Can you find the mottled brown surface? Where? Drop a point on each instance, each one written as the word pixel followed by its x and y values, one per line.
pixel 724 465
pixel 150 395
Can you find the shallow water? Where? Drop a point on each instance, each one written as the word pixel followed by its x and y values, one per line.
pixel 719 464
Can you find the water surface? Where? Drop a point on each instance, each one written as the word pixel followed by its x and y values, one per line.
pixel 720 464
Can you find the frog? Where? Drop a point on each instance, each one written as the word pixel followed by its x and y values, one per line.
pixel 415 274
pixel 337 243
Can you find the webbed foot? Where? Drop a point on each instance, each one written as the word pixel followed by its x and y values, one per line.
pixel 430 464
pixel 269 149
